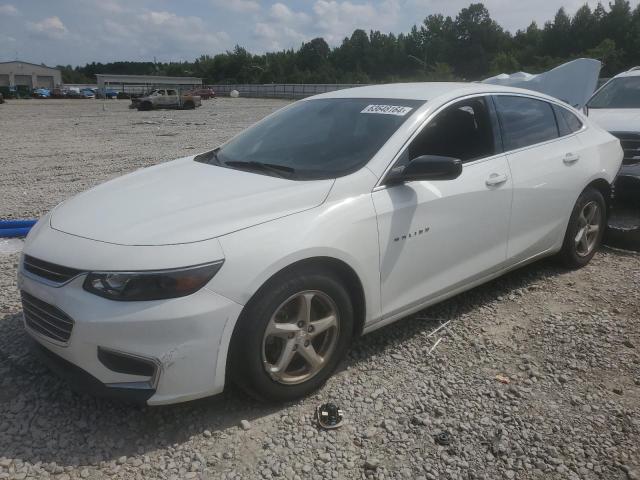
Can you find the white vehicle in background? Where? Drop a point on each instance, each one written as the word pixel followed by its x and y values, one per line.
pixel 616 107
pixel 260 261
pixel 166 98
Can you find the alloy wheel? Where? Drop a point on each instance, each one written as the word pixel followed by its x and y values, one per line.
pixel 588 228
pixel 300 337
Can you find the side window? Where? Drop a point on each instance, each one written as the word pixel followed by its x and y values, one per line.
pixel 567 121
pixel 462 131
pixel 572 121
pixel 525 121
pixel 563 126
pixel 171 92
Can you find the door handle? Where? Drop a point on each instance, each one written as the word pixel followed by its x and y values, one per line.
pixel 570 158
pixel 496 179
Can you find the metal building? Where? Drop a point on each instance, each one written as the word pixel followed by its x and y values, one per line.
pixel 142 83
pixel 17 73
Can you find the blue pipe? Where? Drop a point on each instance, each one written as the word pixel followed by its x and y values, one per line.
pixel 14 232
pixel 17 224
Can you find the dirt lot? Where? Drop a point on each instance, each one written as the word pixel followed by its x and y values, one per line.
pixel 569 343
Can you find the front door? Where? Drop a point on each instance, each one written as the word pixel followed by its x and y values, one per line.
pixel 437 235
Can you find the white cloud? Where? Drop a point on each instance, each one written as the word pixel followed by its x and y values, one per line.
pixel 338 19
pixel 275 37
pixel 165 34
pixel 282 28
pixel 110 6
pixel 238 5
pixel 281 13
pixel 9 10
pixel 51 27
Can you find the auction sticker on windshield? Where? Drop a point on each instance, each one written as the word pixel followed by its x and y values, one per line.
pixel 387 110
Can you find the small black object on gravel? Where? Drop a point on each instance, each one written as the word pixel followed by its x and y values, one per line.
pixel 329 416
pixel 442 438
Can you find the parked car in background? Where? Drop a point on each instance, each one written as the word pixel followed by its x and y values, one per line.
pixel 71 93
pixel 106 93
pixel 87 93
pixel 165 98
pixel 41 93
pixel 616 107
pixel 204 93
pixel 260 260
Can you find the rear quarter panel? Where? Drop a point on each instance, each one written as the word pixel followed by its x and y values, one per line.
pixel 601 151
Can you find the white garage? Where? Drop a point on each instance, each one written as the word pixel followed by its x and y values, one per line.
pixel 45 81
pixel 29 74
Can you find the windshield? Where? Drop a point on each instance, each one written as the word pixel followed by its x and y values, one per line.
pixel 621 92
pixel 318 139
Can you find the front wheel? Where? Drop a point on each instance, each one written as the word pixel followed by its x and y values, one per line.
pixel 291 337
pixel 585 230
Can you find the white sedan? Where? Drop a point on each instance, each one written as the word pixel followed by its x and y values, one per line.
pixel 259 261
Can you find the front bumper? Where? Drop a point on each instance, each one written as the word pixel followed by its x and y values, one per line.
pixel 82 381
pixel 627 184
pixel 185 339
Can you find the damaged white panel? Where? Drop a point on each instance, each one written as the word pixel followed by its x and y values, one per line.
pixel 572 82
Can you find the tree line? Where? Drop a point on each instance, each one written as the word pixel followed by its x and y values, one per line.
pixel 470 46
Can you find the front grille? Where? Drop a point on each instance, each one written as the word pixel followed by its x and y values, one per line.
pixel 50 271
pixel 46 319
pixel 630 142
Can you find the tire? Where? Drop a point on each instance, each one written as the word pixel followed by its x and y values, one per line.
pixel 254 350
pixel 577 250
pixel 189 105
pixel 145 106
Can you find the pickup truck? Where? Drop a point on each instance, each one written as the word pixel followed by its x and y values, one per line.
pixel 165 98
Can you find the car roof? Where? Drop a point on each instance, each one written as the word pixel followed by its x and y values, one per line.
pixel 424 91
pixel 633 72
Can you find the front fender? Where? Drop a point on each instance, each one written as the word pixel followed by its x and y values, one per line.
pixel 335 230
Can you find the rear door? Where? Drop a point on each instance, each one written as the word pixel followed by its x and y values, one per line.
pixel 547 172
pixel 435 236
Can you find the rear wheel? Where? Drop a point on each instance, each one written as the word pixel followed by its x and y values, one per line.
pixel 189 105
pixel 291 337
pixel 586 227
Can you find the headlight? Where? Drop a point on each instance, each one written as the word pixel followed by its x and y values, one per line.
pixel 150 285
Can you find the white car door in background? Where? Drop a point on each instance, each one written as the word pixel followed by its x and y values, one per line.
pixel 434 235
pixel 547 173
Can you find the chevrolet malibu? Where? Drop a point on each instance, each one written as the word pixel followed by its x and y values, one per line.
pixel 259 261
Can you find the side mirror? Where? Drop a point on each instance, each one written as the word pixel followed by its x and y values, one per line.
pixel 430 167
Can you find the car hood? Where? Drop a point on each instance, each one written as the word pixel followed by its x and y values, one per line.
pixel 183 201
pixel 616 119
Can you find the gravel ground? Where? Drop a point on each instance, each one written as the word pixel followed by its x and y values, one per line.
pixel 567 343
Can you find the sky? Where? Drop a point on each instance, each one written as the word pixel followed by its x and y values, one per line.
pixel 75 32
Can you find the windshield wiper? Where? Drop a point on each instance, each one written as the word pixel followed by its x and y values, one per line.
pixel 279 170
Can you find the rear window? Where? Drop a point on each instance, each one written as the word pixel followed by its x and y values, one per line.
pixel 525 121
